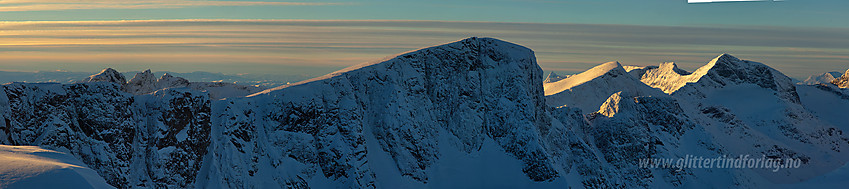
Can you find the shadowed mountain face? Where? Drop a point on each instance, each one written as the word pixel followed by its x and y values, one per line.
pixel 471 113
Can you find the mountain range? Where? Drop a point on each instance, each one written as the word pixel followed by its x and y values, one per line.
pixel 67 77
pixel 475 113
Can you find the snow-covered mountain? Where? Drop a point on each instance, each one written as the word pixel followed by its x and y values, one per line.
pixel 474 113
pixel 145 82
pixel 743 102
pixel 65 77
pixel 842 81
pixel 107 75
pixel 589 89
pixel 826 77
pixel 729 106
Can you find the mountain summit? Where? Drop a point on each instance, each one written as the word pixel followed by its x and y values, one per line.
pixel 723 70
pixel 589 89
pixel 823 78
pixel 842 81
pixel 107 75
pixel 473 53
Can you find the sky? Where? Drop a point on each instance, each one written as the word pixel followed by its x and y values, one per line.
pixel 798 37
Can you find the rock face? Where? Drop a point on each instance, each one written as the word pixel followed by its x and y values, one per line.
pixel 416 109
pixel 127 139
pixel 628 128
pixel 399 118
pixel 141 83
pixel 467 114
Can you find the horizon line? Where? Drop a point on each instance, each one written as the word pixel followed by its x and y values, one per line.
pixel 400 21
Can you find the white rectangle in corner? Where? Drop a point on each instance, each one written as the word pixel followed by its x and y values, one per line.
pixel 717 1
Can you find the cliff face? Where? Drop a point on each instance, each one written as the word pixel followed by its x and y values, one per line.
pixel 458 98
pixel 417 108
pixel 125 138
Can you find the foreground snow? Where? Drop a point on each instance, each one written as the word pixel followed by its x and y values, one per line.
pixel 34 167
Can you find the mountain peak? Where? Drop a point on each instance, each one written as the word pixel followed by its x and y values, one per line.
pixel 726 56
pixel 727 62
pixel 143 77
pixel 823 78
pixel 723 69
pixel 589 90
pixel 471 44
pixel 611 105
pixel 735 70
pixel 167 76
pixel 171 81
pixel 842 81
pixel 671 66
pixel 609 65
pixel 142 83
pixel 107 75
pixel 472 53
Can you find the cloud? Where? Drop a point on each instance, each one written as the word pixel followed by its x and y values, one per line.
pixel 321 46
pixel 44 5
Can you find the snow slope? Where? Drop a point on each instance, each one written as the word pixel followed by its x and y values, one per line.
pixel 589 89
pixel 827 102
pixel 833 179
pixel 34 167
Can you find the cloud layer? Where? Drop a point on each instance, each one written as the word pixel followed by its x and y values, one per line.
pixel 317 47
pixel 42 5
